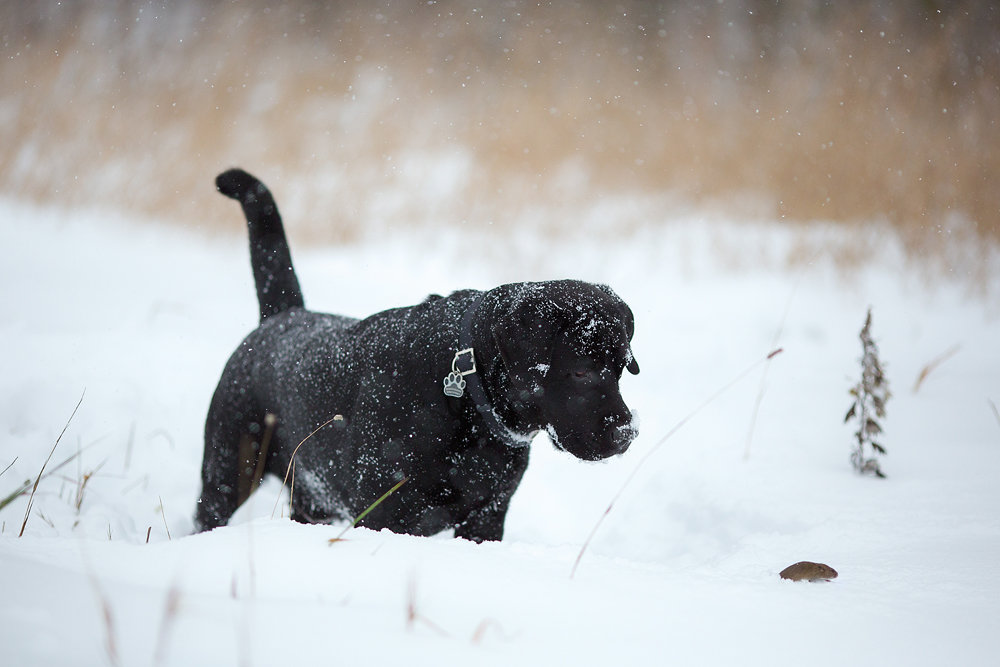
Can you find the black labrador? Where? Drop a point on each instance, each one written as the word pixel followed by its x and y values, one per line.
pixel 443 396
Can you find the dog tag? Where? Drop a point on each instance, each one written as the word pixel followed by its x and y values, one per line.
pixel 454 385
pixel 454 382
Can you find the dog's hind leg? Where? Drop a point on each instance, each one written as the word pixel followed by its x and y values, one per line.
pixel 308 507
pixel 219 482
pixel 231 468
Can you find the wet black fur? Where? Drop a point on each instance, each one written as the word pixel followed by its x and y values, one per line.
pixel 549 355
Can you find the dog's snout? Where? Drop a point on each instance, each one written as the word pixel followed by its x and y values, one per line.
pixel 622 419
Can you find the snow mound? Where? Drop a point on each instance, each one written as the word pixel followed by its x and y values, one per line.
pixel 685 567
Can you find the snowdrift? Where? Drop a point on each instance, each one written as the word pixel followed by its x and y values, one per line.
pixel 139 320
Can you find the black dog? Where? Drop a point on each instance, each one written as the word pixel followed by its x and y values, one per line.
pixel 445 395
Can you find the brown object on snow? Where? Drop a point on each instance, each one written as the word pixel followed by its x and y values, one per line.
pixel 808 571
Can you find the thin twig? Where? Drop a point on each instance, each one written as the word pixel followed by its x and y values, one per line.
pixel 291 492
pixel 9 465
pixel 486 624
pixel 128 447
pixel 144 480
pixel 767 367
pixel 82 480
pixel 652 450
pixel 996 412
pixel 171 607
pixel 375 504
pixel 412 615
pixel 934 363
pixel 295 451
pixel 11 497
pixel 34 488
pixel 110 645
pixel 163 513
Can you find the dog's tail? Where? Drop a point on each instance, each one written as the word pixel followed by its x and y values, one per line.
pixel 277 286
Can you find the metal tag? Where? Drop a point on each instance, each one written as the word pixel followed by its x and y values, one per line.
pixel 454 385
pixel 454 382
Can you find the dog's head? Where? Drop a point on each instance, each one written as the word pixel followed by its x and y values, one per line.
pixel 565 345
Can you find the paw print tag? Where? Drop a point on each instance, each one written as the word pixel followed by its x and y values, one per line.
pixel 454 382
pixel 454 385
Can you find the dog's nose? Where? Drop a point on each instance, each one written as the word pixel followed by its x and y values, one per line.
pixel 620 419
pixel 623 439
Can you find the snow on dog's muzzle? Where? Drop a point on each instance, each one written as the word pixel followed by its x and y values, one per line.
pixel 627 433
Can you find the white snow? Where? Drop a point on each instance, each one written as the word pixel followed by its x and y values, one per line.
pixel 682 571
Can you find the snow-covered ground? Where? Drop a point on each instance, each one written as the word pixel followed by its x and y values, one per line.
pixel 683 570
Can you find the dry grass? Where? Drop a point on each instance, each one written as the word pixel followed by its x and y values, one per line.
pixel 652 450
pixel 459 112
pixel 933 364
pixel 163 515
pixel 41 472
pixel 413 615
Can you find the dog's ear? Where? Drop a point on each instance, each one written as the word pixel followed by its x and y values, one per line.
pixel 632 365
pixel 628 319
pixel 525 343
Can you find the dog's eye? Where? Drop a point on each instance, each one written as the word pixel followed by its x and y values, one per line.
pixel 583 374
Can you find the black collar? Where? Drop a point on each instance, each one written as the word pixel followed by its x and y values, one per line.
pixel 464 379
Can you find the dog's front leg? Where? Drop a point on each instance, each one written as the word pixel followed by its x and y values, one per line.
pixel 484 524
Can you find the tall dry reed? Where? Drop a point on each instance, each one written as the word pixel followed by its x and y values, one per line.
pixel 463 112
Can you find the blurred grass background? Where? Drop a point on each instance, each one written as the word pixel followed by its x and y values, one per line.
pixel 510 112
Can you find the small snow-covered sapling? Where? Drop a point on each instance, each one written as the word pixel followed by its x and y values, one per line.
pixel 870 396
